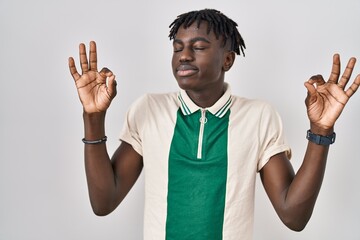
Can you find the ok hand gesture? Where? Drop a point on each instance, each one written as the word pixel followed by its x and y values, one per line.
pixel 96 89
pixel 326 100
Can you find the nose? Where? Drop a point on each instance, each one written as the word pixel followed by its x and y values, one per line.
pixel 186 55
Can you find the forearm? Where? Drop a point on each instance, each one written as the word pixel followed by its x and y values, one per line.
pixel 304 189
pixel 99 171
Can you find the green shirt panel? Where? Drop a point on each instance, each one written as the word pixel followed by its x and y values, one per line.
pixel 197 187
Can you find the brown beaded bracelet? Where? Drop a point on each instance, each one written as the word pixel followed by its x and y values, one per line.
pixel 102 140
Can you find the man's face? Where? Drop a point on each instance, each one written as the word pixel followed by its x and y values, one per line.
pixel 198 58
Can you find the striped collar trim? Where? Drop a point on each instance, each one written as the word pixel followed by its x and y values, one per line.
pixel 219 109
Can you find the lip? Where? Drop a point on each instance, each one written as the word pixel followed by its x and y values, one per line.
pixel 185 70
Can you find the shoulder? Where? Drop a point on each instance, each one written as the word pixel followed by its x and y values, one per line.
pixel 258 112
pixel 161 98
pixel 153 99
pixel 150 105
pixel 253 105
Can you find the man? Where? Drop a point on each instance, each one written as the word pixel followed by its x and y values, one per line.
pixel 202 147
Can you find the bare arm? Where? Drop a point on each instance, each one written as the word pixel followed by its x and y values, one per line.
pixel 108 180
pixel 294 196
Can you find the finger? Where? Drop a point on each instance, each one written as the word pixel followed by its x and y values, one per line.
pixel 73 70
pixel 311 94
pixel 335 70
pixel 347 73
pixel 83 58
pixel 316 80
pixel 310 87
pixel 105 72
pixel 354 86
pixel 93 56
pixel 112 86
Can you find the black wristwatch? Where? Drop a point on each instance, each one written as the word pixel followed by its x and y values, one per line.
pixel 319 139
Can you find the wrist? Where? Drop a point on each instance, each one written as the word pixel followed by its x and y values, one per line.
pixel 319 130
pixel 94 125
pixel 324 140
pixel 93 115
pixel 96 141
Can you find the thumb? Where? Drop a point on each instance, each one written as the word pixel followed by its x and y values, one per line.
pixel 111 86
pixel 311 92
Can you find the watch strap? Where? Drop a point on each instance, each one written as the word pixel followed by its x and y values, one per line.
pixel 319 139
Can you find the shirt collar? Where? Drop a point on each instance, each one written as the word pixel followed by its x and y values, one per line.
pixel 219 109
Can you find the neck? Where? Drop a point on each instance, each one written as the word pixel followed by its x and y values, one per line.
pixel 206 97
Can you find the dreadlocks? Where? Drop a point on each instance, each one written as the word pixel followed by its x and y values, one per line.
pixel 220 24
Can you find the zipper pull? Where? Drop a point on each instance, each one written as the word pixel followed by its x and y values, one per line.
pixel 203 121
pixel 203 118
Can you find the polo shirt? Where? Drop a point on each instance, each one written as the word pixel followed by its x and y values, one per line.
pixel 200 164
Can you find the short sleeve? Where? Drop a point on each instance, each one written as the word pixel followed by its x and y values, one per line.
pixel 134 125
pixel 271 136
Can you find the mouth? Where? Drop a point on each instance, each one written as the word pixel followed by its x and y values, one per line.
pixel 186 70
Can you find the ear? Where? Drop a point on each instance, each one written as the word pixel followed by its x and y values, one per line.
pixel 229 58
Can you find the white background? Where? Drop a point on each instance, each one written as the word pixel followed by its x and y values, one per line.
pixel 43 193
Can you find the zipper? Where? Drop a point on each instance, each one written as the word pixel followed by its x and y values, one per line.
pixel 203 121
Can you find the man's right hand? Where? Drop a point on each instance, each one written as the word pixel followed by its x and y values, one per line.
pixel 96 89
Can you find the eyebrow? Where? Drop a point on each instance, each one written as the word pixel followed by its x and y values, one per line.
pixel 193 40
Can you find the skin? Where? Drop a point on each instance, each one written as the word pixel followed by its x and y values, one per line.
pixel 199 64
